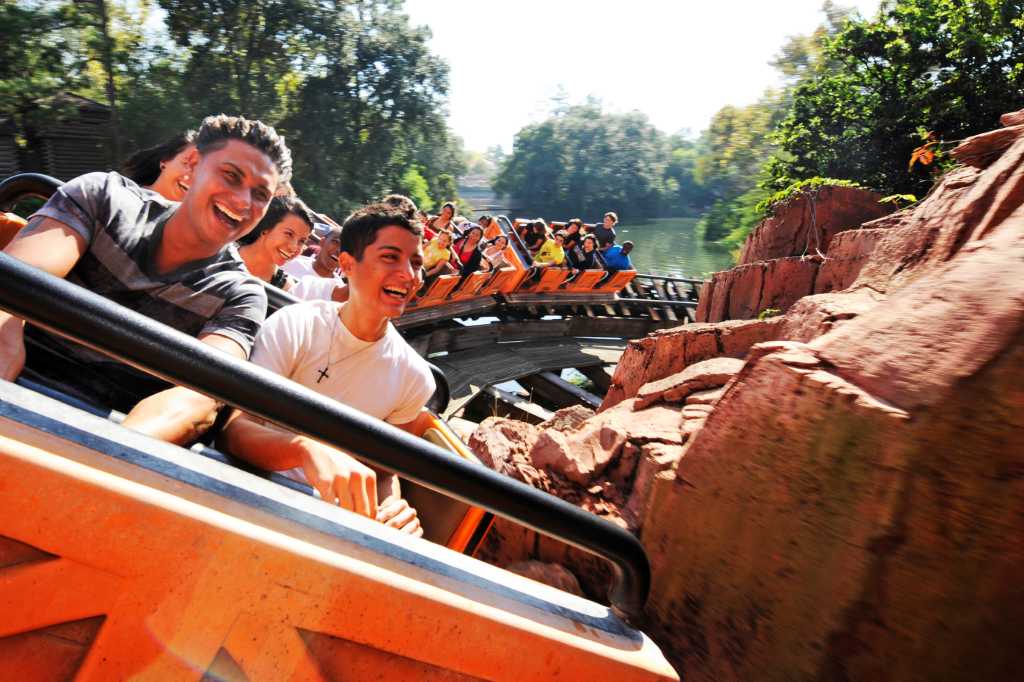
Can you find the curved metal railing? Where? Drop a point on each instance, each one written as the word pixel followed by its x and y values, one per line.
pixel 85 317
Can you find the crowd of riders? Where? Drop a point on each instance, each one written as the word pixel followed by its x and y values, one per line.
pixel 181 233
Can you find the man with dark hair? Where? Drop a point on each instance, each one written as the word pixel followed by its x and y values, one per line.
pixel 323 263
pixel 352 353
pixel 605 232
pixel 175 263
pixel 402 204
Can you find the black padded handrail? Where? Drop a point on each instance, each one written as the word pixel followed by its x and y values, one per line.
pixel 88 318
pixel 278 298
pixel 18 187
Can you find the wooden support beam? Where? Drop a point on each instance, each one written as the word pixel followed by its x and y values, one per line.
pixel 558 391
pixel 495 402
pixel 663 295
pixel 601 375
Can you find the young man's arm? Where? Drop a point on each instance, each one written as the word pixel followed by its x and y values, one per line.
pixel 180 415
pixel 394 510
pixel 49 245
pixel 339 478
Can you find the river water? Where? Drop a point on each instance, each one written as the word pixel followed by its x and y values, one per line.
pixel 668 246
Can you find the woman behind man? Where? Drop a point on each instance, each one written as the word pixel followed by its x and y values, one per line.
pixel 536 236
pixel 494 252
pixel 166 168
pixel 586 255
pixel 278 238
pixel 443 222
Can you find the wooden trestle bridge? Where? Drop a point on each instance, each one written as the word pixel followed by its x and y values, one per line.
pixel 528 335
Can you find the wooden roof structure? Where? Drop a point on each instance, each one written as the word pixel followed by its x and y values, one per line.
pixel 65 147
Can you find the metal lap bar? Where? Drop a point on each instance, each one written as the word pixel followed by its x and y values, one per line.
pixel 85 317
pixel 516 241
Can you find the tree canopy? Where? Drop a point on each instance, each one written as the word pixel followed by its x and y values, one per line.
pixel 946 66
pixel 351 84
pixel 583 162
pixel 859 96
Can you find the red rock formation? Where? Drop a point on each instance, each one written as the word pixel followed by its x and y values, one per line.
pixel 807 222
pixel 782 257
pixel 849 505
pixel 700 376
pixel 668 351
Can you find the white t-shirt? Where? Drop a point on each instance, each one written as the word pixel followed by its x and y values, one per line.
pixel 300 266
pixel 386 378
pixel 315 287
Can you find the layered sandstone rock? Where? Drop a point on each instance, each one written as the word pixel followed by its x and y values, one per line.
pixel 784 257
pixel 668 351
pixel 848 503
pixel 806 223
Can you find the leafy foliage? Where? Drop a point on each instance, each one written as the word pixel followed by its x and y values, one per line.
pixel 583 162
pixel 351 84
pixel 948 66
pixel 41 55
pixel 767 206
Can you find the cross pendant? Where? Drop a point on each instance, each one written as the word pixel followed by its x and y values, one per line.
pixel 323 375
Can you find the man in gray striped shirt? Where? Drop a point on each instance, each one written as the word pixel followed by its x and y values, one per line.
pixel 175 263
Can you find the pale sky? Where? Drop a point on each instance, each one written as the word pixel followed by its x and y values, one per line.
pixel 677 61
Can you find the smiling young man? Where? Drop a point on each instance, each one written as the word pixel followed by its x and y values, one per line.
pixel 175 263
pixel 352 353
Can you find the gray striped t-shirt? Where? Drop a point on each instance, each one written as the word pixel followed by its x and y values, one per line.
pixel 123 224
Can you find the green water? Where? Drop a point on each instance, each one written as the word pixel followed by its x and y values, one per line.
pixel 668 246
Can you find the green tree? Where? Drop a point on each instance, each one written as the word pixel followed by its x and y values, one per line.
pixel 582 162
pixel 948 66
pixel 733 150
pixel 243 54
pixel 371 107
pixel 740 144
pixel 41 55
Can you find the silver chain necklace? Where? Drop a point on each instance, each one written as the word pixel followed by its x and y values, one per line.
pixel 322 372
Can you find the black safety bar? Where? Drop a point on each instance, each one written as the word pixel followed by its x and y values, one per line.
pixel 277 298
pixel 81 315
pixel 18 187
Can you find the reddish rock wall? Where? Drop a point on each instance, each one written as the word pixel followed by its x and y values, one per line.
pixel 785 256
pixel 668 351
pixel 806 224
pixel 850 503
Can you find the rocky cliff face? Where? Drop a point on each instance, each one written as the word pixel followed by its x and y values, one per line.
pixel 784 260
pixel 836 492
